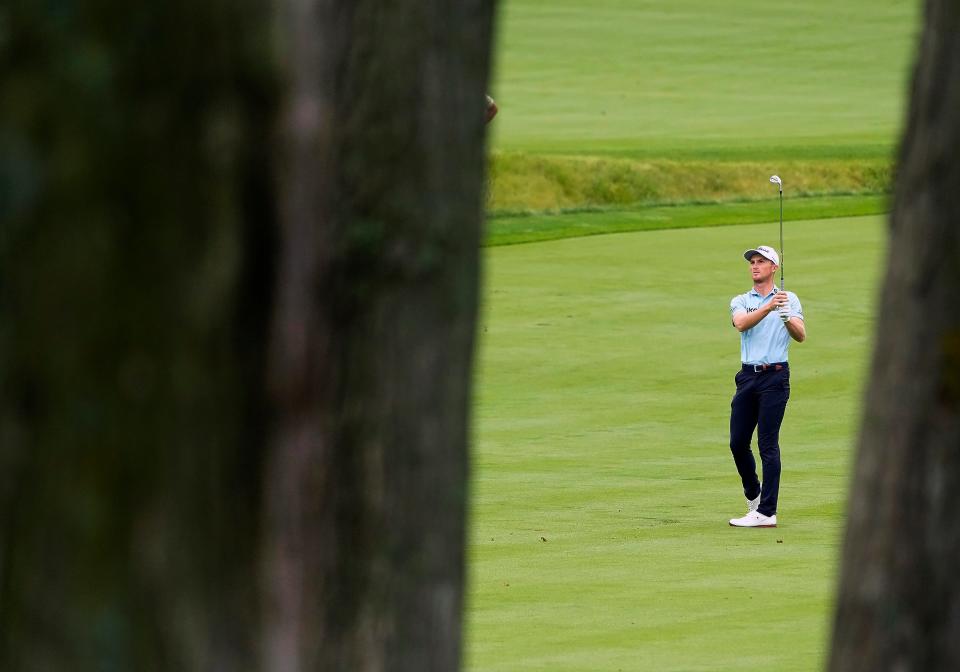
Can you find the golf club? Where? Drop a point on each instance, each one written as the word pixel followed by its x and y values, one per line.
pixel 777 181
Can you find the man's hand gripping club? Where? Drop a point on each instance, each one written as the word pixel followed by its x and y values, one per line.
pixel 781 302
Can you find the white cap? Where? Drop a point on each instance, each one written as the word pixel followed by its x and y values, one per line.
pixel 764 251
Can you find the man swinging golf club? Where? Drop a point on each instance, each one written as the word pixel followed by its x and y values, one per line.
pixel 767 317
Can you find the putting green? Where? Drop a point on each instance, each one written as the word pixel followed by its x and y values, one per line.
pixel 602 480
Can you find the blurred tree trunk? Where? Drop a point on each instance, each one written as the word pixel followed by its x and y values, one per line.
pixel 135 282
pixel 182 485
pixel 373 341
pixel 899 600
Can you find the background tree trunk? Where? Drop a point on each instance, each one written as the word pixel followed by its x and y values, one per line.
pixel 373 341
pixel 899 598
pixel 182 485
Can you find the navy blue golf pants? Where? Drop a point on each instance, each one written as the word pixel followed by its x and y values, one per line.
pixel 759 403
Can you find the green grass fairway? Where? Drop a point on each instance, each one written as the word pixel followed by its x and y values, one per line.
pixel 602 479
pixel 632 102
pixel 741 78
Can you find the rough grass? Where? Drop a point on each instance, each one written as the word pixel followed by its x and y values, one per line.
pixel 530 183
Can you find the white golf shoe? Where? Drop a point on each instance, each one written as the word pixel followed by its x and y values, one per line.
pixel 754 519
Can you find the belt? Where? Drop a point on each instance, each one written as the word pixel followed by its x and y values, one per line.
pixel 765 368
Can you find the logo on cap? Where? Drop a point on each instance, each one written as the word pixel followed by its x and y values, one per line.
pixel 764 251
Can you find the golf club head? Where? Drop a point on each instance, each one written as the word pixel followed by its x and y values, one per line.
pixel 776 180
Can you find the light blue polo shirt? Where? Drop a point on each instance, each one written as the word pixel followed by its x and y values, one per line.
pixel 767 342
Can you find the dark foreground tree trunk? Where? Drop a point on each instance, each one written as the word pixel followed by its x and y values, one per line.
pixel 227 444
pixel 135 252
pixel 373 340
pixel 899 600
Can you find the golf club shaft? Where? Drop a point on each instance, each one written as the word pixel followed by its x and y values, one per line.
pixel 782 285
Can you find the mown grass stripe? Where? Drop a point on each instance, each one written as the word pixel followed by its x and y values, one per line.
pixel 517 229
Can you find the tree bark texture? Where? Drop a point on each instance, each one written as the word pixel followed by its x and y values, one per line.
pixel 135 284
pixel 899 597
pixel 373 336
pixel 224 444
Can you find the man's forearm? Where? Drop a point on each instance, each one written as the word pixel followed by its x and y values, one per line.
pixel 796 329
pixel 744 321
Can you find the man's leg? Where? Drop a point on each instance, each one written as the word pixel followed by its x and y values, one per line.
pixel 774 392
pixel 743 420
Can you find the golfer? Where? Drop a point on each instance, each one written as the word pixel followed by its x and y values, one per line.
pixel 767 318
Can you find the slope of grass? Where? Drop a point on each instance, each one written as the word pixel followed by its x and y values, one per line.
pixel 521 181
pixel 525 228
pixel 602 480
